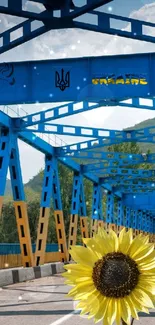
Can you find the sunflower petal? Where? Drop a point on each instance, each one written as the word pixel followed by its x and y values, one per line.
pixel 145 251
pixel 118 314
pixel 143 298
pixel 83 255
pixel 102 309
pixel 93 246
pixel 113 240
pixel 112 309
pixel 132 307
pixel 126 315
pixel 125 239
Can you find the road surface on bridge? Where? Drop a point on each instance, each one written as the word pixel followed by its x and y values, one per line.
pixel 44 302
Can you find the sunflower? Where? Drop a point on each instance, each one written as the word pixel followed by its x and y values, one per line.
pixel 114 277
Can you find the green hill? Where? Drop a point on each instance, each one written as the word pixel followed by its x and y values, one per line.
pixel 147 123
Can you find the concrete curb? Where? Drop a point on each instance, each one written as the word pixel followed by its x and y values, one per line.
pixel 16 275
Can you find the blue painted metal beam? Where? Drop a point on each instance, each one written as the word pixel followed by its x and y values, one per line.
pixel 121 157
pixel 58 112
pixel 130 189
pixel 104 25
pixel 129 182
pixel 141 103
pixel 57 80
pixel 109 137
pixel 76 108
pixel 144 201
pixel 97 213
pixel 125 172
pixel 28 32
pixel 47 149
pixel 18 12
pixel 5 120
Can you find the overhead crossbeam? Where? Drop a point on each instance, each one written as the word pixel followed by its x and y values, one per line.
pixel 109 137
pixel 137 182
pixel 55 113
pixel 122 157
pixel 57 79
pixel 69 109
pixel 103 24
pixel 129 172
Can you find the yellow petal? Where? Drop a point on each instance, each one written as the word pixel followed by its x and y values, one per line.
pixel 125 240
pixel 83 255
pixel 111 311
pixel 132 307
pixel 118 314
pixel 82 288
pixel 143 298
pixel 102 309
pixel 113 240
pixel 102 233
pixel 147 258
pixel 148 288
pixel 78 267
pixel 136 247
pixel 93 246
pixel 125 311
pixel 106 319
pixel 145 251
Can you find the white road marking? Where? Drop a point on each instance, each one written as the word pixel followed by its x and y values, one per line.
pixel 63 319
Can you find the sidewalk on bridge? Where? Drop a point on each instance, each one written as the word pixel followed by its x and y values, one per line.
pixel 19 274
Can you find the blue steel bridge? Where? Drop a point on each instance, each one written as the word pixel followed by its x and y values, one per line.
pixel 86 83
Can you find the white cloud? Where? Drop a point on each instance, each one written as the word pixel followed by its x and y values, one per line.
pixel 78 43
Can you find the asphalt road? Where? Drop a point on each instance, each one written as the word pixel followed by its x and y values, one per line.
pixel 44 302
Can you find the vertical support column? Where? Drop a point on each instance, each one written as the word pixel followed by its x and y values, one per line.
pixel 144 223
pixel 58 214
pixel 128 218
pixel 110 209
pixel 74 210
pixel 44 211
pixel 151 229
pixel 134 223
pixel 96 209
pixel 148 223
pixel 154 230
pixel 82 212
pixel 140 221
pixel 120 216
pixel 20 206
pixel 5 150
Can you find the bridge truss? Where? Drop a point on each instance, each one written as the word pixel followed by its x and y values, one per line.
pixel 85 84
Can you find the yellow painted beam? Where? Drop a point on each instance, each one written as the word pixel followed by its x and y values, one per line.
pixel 84 227
pixel 24 233
pixel 100 223
pixel 61 235
pixel 42 235
pixel 94 227
pixel 72 230
pixel 1 204
pixel 118 229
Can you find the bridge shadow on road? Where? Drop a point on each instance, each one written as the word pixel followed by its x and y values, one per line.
pixel 35 312
pixel 51 312
pixel 27 303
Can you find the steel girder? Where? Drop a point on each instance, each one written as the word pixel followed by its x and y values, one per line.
pixel 69 19
pixel 50 22
pixel 22 81
pixel 68 109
